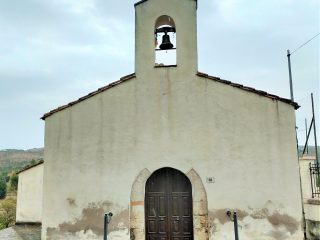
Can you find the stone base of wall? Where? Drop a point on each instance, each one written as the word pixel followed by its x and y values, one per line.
pixel 21 232
pixel 312 214
pixel 313 230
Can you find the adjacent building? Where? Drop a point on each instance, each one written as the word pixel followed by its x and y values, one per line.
pixel 29 197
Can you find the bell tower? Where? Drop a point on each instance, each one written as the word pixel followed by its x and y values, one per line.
pixel 166 35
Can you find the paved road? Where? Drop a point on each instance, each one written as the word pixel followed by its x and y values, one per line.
pixel 21 233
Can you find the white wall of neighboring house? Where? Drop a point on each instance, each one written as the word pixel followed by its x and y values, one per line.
pixel 304 163
pixel 311 204
pixel 29 199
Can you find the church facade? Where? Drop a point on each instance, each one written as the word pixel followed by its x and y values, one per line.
pixel 170 150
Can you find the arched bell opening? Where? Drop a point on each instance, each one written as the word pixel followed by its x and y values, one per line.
pixel 165 41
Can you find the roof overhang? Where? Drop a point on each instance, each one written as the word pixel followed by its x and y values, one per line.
pixel 102 89
pixel 30 166
pixel 250 89
pixel 142 1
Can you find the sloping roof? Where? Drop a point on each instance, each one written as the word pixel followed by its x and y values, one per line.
pixel 142 1
pixel 30 166
pixel 249 89
pixel 102 89
pixel 200 74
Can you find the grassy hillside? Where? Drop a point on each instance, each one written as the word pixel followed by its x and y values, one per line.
pixel 14 159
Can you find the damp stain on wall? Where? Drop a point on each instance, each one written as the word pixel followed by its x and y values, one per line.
pixel 92 220
pixel 278 220
pixel 268 221
pixel 221 215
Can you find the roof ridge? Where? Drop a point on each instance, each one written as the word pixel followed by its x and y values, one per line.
pixel 200 74
pixel 142 1
pixel 30 166
pixel 99 90
pixel 249 89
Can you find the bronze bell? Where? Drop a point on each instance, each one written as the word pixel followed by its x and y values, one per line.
pixel 166 44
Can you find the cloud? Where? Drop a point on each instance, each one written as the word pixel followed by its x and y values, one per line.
pixel 52 52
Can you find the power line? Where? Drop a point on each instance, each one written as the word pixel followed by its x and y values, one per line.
pixel 304 98
pixel 305 43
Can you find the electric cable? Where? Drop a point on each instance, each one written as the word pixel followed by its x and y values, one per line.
pixel 305 43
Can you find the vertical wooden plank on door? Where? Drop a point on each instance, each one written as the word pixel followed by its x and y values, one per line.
pixel 168 206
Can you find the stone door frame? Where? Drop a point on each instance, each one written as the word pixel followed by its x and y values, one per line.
pixel 199 201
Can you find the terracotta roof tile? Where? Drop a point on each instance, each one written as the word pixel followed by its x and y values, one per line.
pixel 200 74
pixel 30 166
pixel 142 1
pixel 123 79
pixel 249 89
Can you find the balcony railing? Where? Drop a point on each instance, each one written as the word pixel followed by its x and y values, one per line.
pixel 315 179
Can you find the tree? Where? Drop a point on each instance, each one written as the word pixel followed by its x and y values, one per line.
pixel 3 188
pixel 7 213
pixel 14 182
pixel 33 162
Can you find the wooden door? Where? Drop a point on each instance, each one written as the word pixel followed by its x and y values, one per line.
pixel 168 206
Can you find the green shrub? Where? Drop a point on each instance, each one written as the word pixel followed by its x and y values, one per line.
pixel 3 189
pixel 7 213
pixel 14 182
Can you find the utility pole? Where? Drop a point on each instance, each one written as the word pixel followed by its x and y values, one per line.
pixel 290 75
pixel 289 62
pixel 315 131
pixel 306 124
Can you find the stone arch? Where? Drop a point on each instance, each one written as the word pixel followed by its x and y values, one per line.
pixel 200 206
pixel 165 20
pixel 137 222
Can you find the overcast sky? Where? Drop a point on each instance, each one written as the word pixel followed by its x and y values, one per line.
pixel 55 51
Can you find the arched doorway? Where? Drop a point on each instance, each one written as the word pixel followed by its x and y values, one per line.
pixel 168 206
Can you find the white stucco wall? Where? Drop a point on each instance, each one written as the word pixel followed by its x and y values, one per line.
pixel 304 163
pixel 95 149
pixel 184 15
pixel 29 199
pixel 312 211
pixel 311 205
pixel 170 117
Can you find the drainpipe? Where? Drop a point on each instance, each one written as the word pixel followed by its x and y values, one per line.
pixel 304 224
